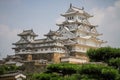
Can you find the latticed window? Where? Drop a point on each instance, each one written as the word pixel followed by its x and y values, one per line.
pixel 41 49
pixel 46 49
pixel 70 18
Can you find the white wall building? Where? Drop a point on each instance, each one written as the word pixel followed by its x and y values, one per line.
pixel 67 44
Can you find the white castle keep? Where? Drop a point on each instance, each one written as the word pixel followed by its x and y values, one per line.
pixel 69 43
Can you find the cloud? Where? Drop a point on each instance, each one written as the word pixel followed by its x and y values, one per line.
pixel 7 37
pixel 117 4
pixel 7 32
pixel 98 16
pixel 108 21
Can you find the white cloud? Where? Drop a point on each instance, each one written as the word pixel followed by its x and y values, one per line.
pixel 7 37
pixel 108 20
pixel 117 3
pixel 98 16
pixel 8 33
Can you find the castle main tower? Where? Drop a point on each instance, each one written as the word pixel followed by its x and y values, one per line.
pixel 78 33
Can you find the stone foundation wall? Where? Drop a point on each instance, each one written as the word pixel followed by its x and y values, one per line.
pixel 30 67
pixel 45 56
pixel 50 57
pixel 57 57
pixel 82 56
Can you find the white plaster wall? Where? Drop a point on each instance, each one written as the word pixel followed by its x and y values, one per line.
pixel 91 43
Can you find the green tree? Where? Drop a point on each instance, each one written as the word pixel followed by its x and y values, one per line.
pixel 98 72
pixel 63 68
pixel 8 68
pixel 115 62
pixel 108 55
pixel 2 69
pixel 81 72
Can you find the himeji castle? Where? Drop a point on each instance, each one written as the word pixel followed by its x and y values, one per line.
pixel 69 43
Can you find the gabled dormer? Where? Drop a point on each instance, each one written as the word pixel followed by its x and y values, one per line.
pixel 26 36
pixel 65 32
pixel 52 35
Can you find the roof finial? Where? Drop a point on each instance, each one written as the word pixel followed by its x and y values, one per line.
pixel 70 5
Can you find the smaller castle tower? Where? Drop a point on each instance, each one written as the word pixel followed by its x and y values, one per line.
pixel 27 35
pixel 78 34
pixel 23 47
pixel 50 48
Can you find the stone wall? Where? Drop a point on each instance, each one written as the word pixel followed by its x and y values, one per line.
pixel 57 56
pixel 82 56
pixel 50 57
pixel 30 67
pixel 45 56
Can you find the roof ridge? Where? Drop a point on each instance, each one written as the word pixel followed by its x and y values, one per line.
pixel 77 8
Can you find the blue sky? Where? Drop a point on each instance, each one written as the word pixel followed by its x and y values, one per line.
pixel 42 15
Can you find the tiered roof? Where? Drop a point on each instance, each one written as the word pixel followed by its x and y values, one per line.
pixel 75 10
pixel 27 32
pixel 52 33
pixel 76 22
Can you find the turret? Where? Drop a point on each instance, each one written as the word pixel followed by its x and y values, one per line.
pixel 52 35
pixel 74 13
pixel 28 35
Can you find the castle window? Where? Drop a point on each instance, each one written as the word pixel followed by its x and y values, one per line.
pixel 70 18
pixel 36 50
pixel 23 50
pixel 64 32
pixel 51 49
pixel 81 18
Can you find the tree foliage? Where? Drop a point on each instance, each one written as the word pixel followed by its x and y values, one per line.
pixel 8 68
pixel 99 72
pixel 64 69
pixel 115 62
pixel 108 55
pixel 103 54
pixel 78 72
